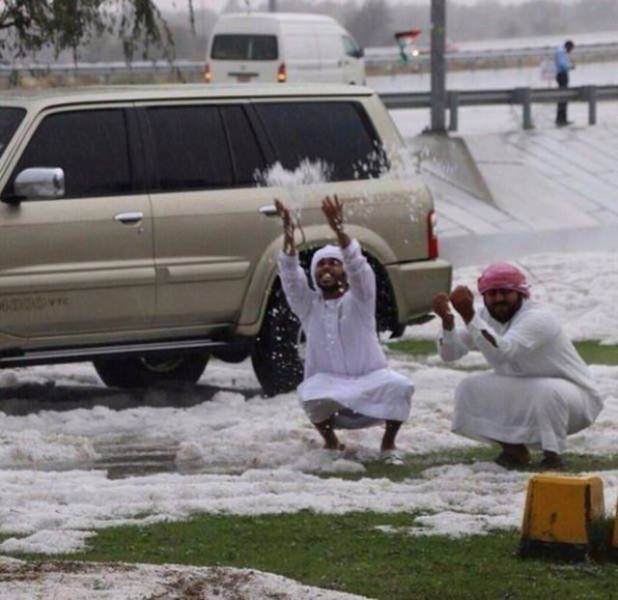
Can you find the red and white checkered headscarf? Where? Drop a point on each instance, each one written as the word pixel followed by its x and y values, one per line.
pixel 503 276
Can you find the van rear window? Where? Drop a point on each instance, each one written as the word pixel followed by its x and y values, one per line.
pixel 244 47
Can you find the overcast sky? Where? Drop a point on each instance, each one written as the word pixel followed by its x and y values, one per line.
pixel 217 5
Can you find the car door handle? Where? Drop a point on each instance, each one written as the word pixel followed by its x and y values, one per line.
pixel 270 210
pixel 129 218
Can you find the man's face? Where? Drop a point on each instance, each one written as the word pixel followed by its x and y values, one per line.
pixel 329 274
pixel 502 304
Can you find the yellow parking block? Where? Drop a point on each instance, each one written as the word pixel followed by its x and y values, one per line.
pixel 560 509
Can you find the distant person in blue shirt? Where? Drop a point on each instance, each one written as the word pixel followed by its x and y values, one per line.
pixel 563 66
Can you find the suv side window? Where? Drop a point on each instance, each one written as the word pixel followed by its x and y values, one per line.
pixel 92 148
pixel 247 158
pixel 337 133
pixel 190 148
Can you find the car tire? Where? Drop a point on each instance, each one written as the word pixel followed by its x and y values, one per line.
pixel 275 356
pixel 145 371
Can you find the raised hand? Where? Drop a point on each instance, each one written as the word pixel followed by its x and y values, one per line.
pixel 462 300
pixel 440 306
pixel 333 211
pixel 289 247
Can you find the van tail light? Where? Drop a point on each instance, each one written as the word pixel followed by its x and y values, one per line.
pixel 432 236
pixel 207 73
pixel 282 74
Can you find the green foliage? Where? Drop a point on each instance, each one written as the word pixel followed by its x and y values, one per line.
pixel 30 25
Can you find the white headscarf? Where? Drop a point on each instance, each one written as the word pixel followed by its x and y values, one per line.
pixel 328 251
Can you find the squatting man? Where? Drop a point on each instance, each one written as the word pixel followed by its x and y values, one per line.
pixel 347 383
pixel 540 389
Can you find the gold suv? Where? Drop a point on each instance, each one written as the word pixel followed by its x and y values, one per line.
pixel 136 233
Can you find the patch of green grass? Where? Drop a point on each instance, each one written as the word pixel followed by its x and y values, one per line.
pixel 415 464
pixel 414 347
pixel 591 351
pixel 348 553
pixel 595 353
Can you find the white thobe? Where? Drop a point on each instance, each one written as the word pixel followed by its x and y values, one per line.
pixel 540 389
pixel 345 367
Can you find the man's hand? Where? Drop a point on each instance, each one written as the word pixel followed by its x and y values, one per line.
pixel 289 246
pixel 333 211
pixel 462 300
pixel 441 307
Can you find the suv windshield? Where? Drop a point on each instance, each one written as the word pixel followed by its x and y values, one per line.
pixel 244 47
pixel 10 118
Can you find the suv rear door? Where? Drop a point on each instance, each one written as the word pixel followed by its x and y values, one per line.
pixel 209 232
pixel 82 263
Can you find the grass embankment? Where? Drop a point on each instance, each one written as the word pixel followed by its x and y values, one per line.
pixel 593 352
pixel 348 553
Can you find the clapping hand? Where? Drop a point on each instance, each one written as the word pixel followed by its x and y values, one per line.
pixel 440 306
pixel 462 300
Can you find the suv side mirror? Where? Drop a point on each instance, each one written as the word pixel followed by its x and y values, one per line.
pixel 39 183
pixel 360 53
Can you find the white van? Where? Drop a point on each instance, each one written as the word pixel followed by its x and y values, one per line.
pixel 295 47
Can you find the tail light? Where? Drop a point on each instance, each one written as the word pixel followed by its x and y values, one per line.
pixel 207 74
pixel 432 236
pixel 282 74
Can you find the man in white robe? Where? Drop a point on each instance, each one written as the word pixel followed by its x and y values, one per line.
pixel 539 390
pixel 346 376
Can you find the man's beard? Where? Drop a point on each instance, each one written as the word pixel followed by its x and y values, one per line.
pixel 504 312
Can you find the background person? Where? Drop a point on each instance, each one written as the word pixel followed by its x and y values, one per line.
pixel 563 65
pixel 346 372
pixel 540 389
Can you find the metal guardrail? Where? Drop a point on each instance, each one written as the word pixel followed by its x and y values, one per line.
pixel 373 56
pixel 386 55
pixel 523 96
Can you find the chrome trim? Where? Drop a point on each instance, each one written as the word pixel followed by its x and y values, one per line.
pixel 129 218
pixel 269 210
pixel 40 183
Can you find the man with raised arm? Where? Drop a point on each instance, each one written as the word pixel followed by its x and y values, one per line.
pixel 539 390
pixel 347 383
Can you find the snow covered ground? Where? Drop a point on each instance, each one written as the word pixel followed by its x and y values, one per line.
pixel 256 456
pixel 84 581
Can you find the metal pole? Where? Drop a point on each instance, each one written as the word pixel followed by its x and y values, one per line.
pixel 272 5
pixel 591 94
pixel 453 111
pixel 526 101
pixel 438 66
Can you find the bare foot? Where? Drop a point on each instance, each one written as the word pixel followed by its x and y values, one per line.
pixel 387 447
pixel 390 433
pixel 337 446
pixel 517 452
pixel 551 460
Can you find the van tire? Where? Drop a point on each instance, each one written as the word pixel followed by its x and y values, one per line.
pixel 275 355
pixel 146 371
